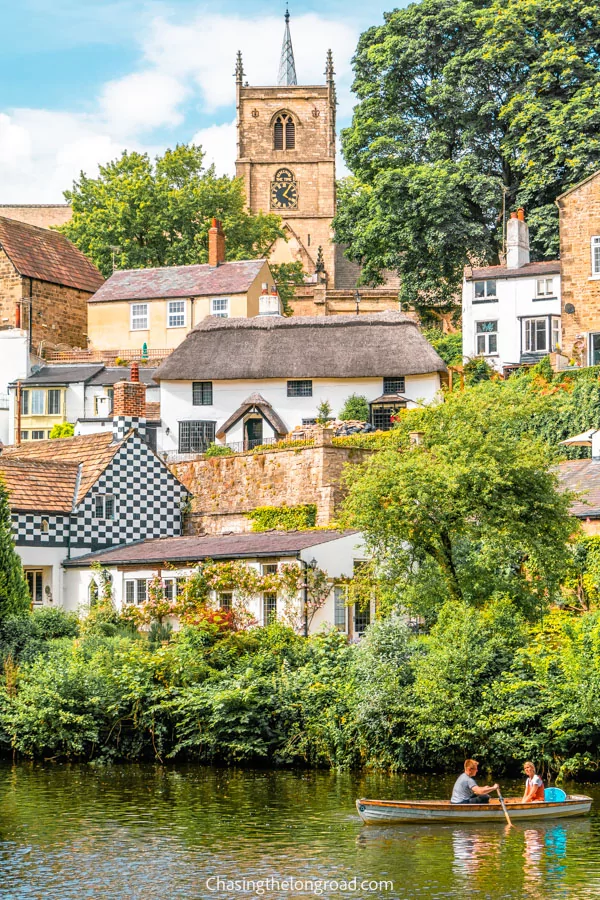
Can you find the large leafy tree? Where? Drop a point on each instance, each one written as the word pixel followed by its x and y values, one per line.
pixel 14 594
pixel 469 513
pixel 462 102
pixel 139 212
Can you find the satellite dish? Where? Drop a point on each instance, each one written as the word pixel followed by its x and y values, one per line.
pixel 36 369
pixel 569 308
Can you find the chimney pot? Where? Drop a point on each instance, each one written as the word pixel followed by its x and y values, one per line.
pixel 521 214
pixel 513 215
pixel 135 372
pixel 216 244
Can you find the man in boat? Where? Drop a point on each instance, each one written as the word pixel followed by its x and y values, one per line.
pixel 466 789
pixel 534 786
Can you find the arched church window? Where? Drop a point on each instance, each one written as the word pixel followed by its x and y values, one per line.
pixel 93 592
pixel 284 132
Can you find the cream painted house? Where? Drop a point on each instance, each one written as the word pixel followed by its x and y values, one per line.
pixel 159 307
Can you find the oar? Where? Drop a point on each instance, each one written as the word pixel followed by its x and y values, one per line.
pixel 503 805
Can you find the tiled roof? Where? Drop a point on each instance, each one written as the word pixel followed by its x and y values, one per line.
pixel 61 375
pixel 180 281
pixel 109 375
pixel 549 267
pixel 223 546
pixel 40 485
pixel 47 256
pixel 93 451
pixel 582 476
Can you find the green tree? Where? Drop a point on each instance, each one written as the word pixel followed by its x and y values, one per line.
pixel 14 594
pixel 143 213
pixel 356 408
pixel 323 412
pixel 449 346
pixel 287 277
pixel 62 430
pixel 460 102
pixel 470 513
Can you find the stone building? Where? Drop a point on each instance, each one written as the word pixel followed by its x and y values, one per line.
pixel 45 284
pixel 286 147
pixel 579 210
pixel 44 215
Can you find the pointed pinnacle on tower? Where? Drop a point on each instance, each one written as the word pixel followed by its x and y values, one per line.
pixel 239 68
pixel 329 70
pixel 287 66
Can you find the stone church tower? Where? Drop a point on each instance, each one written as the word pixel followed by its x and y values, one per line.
pixel 286 156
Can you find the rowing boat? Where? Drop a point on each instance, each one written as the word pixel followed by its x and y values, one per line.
pixel 386 812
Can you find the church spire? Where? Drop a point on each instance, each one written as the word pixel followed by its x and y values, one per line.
pixel 239 68
pixel 287 66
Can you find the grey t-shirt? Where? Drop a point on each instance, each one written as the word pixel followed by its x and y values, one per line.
pixel 462 791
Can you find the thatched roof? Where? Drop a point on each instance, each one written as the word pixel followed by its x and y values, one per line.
pixel 380 344
pixel 255 402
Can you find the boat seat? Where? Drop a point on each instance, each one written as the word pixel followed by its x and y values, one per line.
pixel 554 795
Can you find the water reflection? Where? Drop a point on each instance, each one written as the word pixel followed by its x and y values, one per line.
pixel 77 832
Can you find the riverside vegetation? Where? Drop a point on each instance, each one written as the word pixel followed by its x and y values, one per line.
pixel 472 540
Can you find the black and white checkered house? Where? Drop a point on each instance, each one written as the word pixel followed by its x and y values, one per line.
pixel 75 495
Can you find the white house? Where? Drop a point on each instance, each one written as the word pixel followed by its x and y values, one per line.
pixel 132 567
pixel 245 382
pixel 511 313
pixel 14 363
pixel 80 394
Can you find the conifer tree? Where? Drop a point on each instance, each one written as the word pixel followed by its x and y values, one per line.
pixel 14 594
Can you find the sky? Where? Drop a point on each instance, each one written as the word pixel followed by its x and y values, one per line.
pixel 82 80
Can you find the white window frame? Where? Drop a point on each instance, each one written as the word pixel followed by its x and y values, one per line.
pixel 132 595
pixel 38 434
pixel 176 310
pixel 551 329
pixel 37 393
pixel 100 501
pixel 219 307
pixel 595 255
pixel 486 339
pixel 487 295
pixel 35 574
pixel 340 607
pixel 544 292
pixel 136 316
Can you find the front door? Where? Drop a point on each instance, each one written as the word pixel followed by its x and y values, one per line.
pixel 253 433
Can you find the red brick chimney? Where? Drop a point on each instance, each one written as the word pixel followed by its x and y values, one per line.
pixel 129 405
pixel 216 244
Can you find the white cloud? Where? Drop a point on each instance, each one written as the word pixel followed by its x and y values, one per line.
pixel 184 65
pixel 219 144
pixel 141 102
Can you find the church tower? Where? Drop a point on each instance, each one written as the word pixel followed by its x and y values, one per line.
pixel 286 156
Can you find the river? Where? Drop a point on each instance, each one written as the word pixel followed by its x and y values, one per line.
pixel 75 832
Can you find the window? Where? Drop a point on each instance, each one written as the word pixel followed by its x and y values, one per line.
pixel 139 316
pixel 130 592
pixel 340 609
pixel 594 348
pixel 269 607
pixel 173 587
pixel 54 402
pixel 309 421
pixel 35 583
pixel 25 403
pixel 394 385
pixel 45 526
pixel 284 133
pixel 536 335
pixel 362 618
pixel 142 590
pixel 219 306
pixel 176 314
pixel 38 435
pixel 544 287
pixel 226 600
pixel 381 413
pixel 485 290
pixel 195 437
pixel 202 393
pixel 93 592
pixel 24 435
pixel 104 506
pixel 555 332
pixel 269 569
pixel 38 403
pixel 486 337
pixel 299 388
pixel 103 403
pixel 596 255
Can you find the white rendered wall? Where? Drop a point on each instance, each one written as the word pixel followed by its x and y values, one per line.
pixel 516 300
pixel 14 364
pixel 176 400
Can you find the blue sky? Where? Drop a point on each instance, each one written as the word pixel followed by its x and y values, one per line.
pixel 80 81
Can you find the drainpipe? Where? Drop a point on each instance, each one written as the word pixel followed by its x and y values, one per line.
pixel 18 402
pixel 305 590
pixel 31 315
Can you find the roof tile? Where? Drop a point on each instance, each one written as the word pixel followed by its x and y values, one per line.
pixel 47 256
pixel 40 485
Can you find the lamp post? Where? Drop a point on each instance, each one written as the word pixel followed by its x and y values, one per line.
pixel 357 300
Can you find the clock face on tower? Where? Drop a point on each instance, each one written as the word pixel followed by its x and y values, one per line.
pixel 284 190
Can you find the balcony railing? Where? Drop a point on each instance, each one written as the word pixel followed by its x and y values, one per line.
pixel 108 357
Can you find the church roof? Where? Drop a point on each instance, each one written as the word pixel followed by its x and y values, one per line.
pixel 180 281
pixel 287 65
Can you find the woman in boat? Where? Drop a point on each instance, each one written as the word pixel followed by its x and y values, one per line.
pixel 534 786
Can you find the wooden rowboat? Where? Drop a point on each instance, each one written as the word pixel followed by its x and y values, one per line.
pixel 388 812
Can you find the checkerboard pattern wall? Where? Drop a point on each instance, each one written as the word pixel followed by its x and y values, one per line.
pixel 122 425
pixel 43 531
pixel 147 499
pixel 144 501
